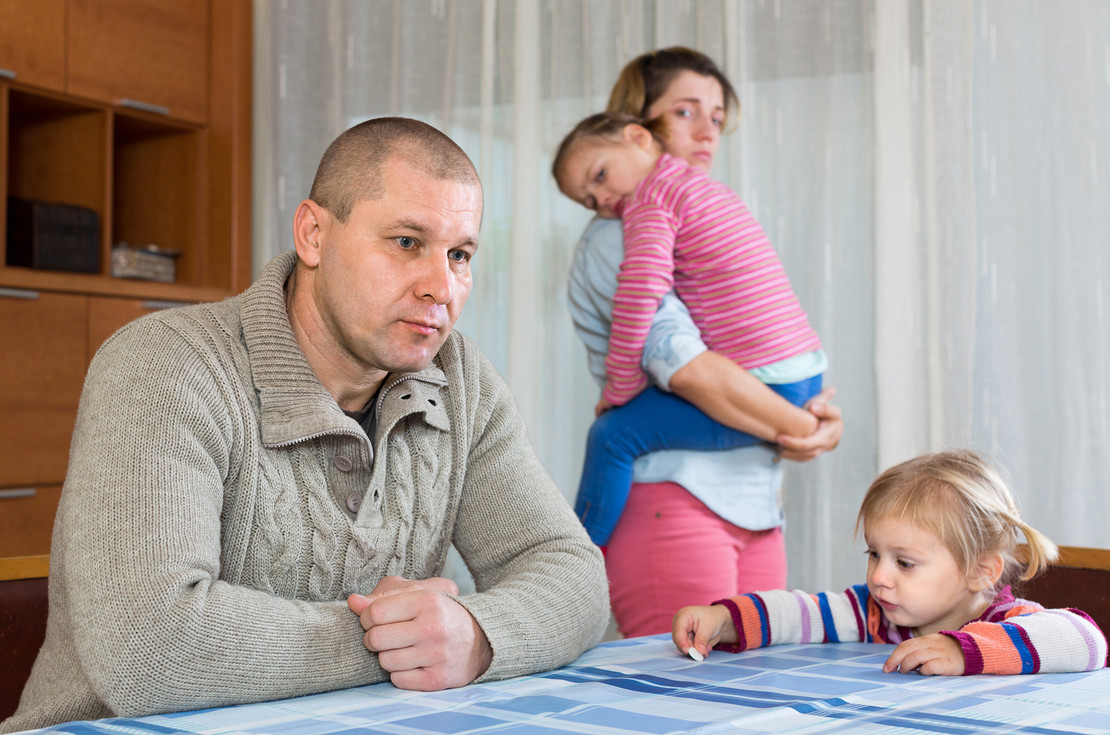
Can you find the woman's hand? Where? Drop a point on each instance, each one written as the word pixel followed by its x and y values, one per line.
pixel 825 439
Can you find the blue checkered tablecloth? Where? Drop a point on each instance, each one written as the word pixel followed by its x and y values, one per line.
pixel 643 685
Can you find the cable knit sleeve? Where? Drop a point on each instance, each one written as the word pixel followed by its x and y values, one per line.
pixel 154 624
pixel 542 595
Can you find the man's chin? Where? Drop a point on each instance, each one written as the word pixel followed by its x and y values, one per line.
pixel 413 362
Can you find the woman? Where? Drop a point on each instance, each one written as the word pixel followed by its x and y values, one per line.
pixel 693 518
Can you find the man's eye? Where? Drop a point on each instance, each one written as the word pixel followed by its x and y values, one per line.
pixel 460 256
pixel 406 242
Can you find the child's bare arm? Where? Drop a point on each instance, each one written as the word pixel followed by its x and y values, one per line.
pixel 732 396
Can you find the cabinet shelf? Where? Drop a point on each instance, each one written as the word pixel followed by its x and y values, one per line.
pixel 144 176
pixel 31 279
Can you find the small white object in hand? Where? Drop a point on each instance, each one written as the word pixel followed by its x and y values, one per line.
pixel 695 654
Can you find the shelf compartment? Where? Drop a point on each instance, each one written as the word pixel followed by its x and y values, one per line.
pixel 157 183
pixel 57 151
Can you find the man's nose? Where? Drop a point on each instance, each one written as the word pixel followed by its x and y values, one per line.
pixel 436 280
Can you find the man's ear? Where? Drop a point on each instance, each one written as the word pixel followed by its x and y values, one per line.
pixel 310 225
pixel 987 572
pixel 638 136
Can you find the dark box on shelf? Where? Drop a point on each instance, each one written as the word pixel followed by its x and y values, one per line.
pixel 53 236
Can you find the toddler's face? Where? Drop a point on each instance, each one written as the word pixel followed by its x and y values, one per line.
pixel 602 175
pixel 915 579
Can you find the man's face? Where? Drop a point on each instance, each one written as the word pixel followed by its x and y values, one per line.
pixel 393 278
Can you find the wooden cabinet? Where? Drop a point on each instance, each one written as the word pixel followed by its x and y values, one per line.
pixel 145 54
pixel 177 177
pixel 150 55
pixel 32 44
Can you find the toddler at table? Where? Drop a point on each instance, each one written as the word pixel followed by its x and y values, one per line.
pixel 941 533
pixel 685 231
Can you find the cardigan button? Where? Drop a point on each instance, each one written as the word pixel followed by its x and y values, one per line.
pixel 342 463
pixel 354 501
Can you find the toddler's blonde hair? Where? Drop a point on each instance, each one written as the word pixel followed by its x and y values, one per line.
pixel 963 499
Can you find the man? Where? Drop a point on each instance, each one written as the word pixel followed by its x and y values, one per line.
pixel 262 492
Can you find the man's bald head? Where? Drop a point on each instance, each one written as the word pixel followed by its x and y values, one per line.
pixel 350 169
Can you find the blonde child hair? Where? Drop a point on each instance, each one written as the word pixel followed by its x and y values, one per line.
pixel 963 499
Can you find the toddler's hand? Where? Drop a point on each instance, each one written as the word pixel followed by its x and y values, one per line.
pixel 932 655
pixel 601 407
pixel 702 627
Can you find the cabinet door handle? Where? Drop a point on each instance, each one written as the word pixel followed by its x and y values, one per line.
pixel 7 73
pixel 18 293
pixel 156 305
pixel 23 492
pixel 144 106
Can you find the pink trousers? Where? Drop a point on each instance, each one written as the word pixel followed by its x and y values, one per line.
pixel 669 550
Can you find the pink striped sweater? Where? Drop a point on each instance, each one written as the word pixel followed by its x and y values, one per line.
pixel 683 230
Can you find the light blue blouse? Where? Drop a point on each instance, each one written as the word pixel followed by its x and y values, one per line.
pixel 742 485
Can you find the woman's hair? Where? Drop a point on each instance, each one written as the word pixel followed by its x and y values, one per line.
pixel 963 499
pixel 646 78
pixel 601 126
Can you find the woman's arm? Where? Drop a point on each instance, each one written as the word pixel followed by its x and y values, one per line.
pixel 732 396
pixel 674 355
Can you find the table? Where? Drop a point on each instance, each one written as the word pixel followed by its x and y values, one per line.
pixel 643 685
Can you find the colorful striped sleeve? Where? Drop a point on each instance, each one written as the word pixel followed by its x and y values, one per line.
pixel 1025 638
pixel 781 616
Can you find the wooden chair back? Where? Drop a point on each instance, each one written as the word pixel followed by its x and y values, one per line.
pixel 1080 578
pixel 23 608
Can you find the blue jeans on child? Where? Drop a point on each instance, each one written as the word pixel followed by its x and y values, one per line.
pixel 652 421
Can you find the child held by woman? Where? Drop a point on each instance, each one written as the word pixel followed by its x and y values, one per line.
pixel 682 230
pixel 941 533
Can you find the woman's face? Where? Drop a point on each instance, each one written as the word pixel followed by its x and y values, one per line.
pixel 693 113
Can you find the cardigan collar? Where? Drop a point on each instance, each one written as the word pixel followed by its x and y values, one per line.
pixel 294 404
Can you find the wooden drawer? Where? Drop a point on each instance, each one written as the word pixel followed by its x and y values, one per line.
pixel 27 519
pixel 42 369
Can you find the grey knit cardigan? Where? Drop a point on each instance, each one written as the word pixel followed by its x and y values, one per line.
pixel 204 544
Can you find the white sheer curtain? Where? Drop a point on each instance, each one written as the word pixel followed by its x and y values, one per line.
pixel 933 173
